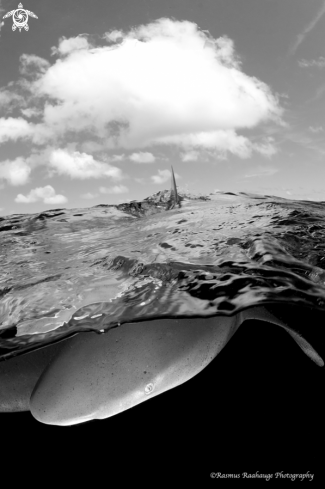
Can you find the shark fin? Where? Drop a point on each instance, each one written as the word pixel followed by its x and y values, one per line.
pixel 264 315
pixel 174 198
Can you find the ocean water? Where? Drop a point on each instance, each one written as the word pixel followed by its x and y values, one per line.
pixel 63 271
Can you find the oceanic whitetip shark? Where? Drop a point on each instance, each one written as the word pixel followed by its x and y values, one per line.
pixel 95 376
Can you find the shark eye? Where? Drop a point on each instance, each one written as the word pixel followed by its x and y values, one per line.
pixel 148 388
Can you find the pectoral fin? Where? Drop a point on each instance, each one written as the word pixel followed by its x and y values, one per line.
pixel 263 314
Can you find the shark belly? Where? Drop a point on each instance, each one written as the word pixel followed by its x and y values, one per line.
pixel 98 376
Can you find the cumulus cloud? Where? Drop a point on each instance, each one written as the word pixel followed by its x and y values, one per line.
pixel 66 46
pixel 117 189
pixel 81 165
pixel 166 81
pixel 163 176
pixel 46 194
pixel 142 157
pixel 15 172
pixel 14 128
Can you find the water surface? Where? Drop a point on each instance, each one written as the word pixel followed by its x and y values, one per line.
pixel 70 270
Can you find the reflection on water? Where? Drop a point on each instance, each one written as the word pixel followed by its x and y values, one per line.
pixel 67 270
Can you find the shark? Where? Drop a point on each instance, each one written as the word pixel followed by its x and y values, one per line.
pixel 98 376
pixel 93 376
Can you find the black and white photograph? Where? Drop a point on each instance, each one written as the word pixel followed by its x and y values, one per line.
pixel 162 240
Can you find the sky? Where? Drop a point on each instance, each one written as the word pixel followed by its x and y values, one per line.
pixel 99 98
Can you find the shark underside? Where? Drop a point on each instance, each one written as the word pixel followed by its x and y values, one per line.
pixel 95 376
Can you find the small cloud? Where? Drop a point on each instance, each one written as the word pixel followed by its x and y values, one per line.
pixel 89 196
pixel 309 27
pixel 117 157
pixel 14 128
pixel 113 36
pixel 163 176
pixel 190 156
pixel 117 189
pixel 31 112
pixel 142 157
pixel 316 129
pixel 45 194
pixel 30 64
pixel 262 171
pixel 16 172
pixel 82 165
pixel 66 46
pixel 318 63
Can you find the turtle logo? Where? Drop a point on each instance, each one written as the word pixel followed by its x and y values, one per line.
pixel 20 17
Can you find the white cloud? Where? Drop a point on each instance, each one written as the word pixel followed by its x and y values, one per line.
pixel 30 64
pixel 1 11
pixel 31 112
pixel 81 165
pixel 14 128
pixel 190 156
pixel 117 189
pixel 222 141
pixel 117 157
pixel 89 196
pixel 45 194
pixel 16 172
pixel 67 46
pixel 319 63
pixel 175 84
pixel 142 157
pixel 309 27
pixel 113 36
pixel 163 176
